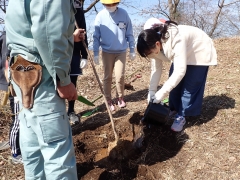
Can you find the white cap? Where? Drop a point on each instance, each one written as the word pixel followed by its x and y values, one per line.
pixel 151 22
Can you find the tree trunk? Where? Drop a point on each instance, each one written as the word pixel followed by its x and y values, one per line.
pixel 172 5
pixel 215 23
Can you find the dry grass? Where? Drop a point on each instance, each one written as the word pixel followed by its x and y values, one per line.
pixel 209 146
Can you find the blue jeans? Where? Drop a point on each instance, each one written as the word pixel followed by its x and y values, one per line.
pixel 45 135
pixel 187 97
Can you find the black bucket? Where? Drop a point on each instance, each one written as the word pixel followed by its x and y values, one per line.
pixel 156 114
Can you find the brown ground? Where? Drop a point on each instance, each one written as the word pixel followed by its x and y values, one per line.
pixel 208 148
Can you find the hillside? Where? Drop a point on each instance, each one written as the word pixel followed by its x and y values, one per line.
pixel 208 148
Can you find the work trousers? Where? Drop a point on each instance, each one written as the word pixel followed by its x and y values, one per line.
pixel 116 62
pixel 45 135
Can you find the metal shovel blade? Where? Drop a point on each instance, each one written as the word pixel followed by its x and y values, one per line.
pixel 85 101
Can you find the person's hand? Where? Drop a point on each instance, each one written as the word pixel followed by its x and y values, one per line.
pixel 83 63
pixel 150 95
pixel 132 56
pixel 79 35
pixel 68 92
pixel 157 97
pixel 6 70
pixel 96 60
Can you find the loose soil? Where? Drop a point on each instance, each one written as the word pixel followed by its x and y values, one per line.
pixel 208 148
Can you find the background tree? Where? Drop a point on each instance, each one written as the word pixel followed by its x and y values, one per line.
pixel 3 7
pixel 217 18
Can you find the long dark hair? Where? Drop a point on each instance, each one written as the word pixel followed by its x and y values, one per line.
pixel 146 41
pixel 147 38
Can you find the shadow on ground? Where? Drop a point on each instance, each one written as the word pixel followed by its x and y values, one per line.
pixel 157 143
pixel 211 106
pixel 101 117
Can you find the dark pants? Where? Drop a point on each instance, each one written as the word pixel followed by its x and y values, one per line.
pixel 14 128
pixel 75 71
pixel 187 97
pixel 71 103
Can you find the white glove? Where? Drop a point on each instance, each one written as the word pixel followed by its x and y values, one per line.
pixel 96 60
pixel 83 63
pixel 132 56
pixel 150 95
pixel 157 97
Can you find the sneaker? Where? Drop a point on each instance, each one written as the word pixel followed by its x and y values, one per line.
pixel 121 103
pixel 111 106
pixel 73 118
pixel 178 123
pixel 17 159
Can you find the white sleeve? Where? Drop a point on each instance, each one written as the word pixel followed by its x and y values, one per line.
pixel 180 67
pixel 156 72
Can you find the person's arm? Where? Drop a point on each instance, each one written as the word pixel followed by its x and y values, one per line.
pixel 180 67
pixel 156 72
pixel 52 30
pixel 129 35
pixel 82 24
pixel 96 36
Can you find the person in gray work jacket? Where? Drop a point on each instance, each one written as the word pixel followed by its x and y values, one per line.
pixel 43 37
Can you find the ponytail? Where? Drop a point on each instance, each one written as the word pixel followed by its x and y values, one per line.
pixel 163 28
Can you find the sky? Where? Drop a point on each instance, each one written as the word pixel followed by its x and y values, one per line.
pixel 133 7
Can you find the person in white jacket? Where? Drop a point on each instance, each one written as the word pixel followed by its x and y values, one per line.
pixel 191 52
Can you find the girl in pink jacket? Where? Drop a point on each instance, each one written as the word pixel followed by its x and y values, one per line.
pixel 191 52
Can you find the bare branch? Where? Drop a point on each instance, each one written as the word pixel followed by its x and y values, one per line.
pixel 90 6
pixel 231 3
pixel 3 5
pixel 236 26
pixel 220 5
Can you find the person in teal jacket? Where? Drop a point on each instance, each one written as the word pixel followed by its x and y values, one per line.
pixel 43 33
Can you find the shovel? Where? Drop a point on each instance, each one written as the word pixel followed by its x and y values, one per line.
pixel 90 112
pixel 128 85
pixel 85 101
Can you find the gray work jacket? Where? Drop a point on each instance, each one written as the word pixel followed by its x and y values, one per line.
pixel 42 32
